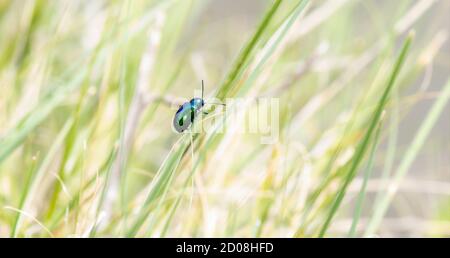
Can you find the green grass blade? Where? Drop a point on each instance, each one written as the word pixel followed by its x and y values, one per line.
pixel 413 150
pixel 362 192
pixel 36 117
pixel 244 56
pixel 35 176
pixel 158 187
pixel 362 147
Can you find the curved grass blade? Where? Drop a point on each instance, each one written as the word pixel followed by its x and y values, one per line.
pixel 247 50
pixel 362 147
pixel 413 150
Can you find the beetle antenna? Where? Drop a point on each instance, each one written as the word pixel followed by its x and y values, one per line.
pixel 203 88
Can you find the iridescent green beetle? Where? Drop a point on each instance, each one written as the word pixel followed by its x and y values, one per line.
pixel 187 113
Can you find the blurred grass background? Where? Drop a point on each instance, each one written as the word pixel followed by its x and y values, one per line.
pixel 89 90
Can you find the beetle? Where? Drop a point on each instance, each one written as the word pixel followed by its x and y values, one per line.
pixel 186 113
